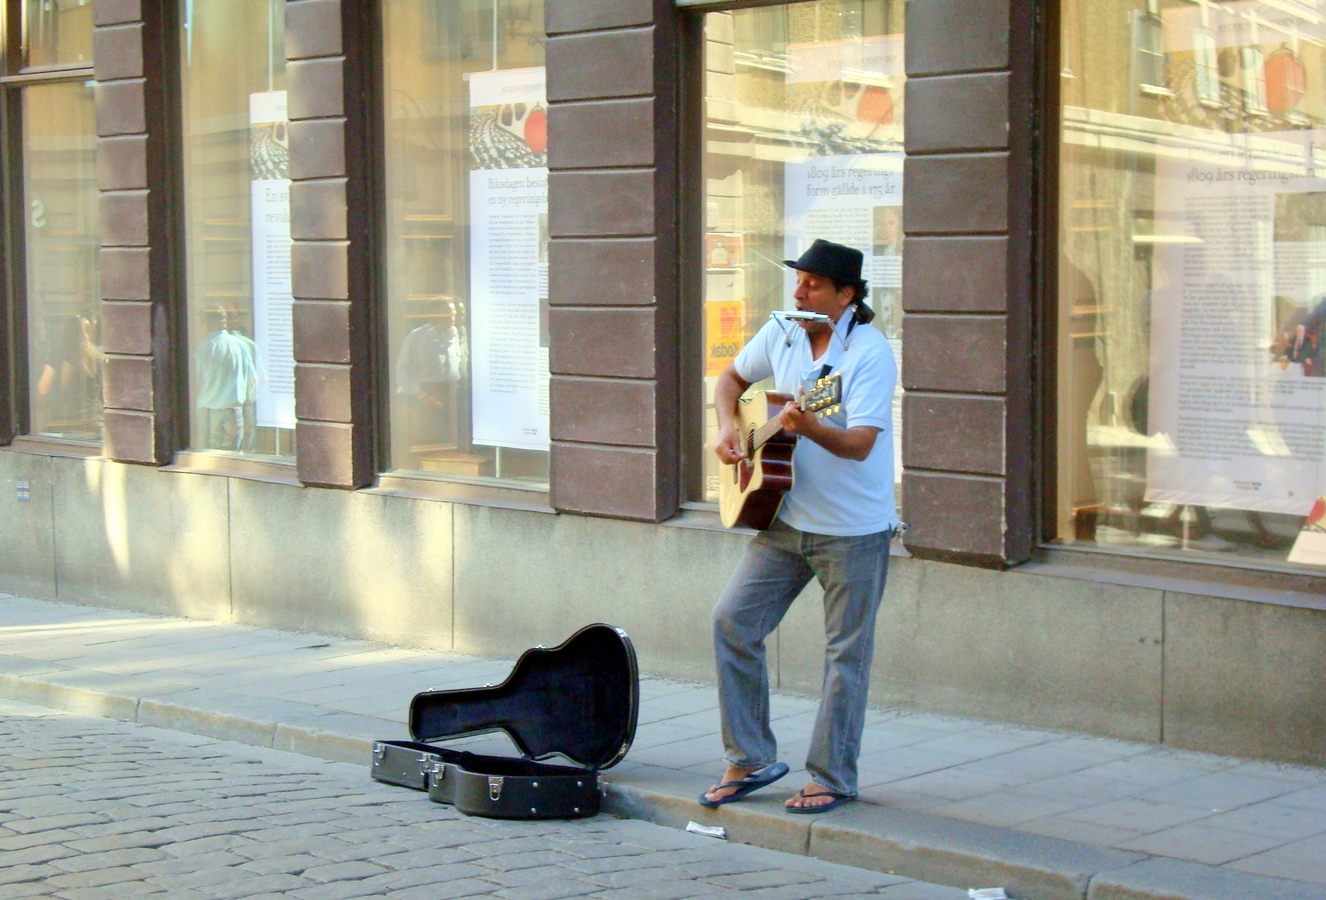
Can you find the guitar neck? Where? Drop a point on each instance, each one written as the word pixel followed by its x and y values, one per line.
pixel 772 427
pixel 820 400
pixel 764 433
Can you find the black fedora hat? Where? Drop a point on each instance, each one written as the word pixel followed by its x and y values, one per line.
pixel 836 261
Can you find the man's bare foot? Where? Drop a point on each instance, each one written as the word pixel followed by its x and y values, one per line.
pixel 733 773
pixel 811 796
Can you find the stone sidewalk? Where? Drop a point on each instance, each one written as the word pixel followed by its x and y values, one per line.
pixel 954 801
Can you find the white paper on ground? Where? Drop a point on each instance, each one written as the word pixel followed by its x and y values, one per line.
pixel 714 831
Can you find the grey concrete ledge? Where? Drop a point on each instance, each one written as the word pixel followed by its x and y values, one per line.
pixel 869 836
pixel 1172 879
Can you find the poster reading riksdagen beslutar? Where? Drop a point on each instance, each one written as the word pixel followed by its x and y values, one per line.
pixel 273 300
pixel 509 258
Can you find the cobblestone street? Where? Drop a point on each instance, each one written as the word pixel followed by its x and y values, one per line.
pixel 92 808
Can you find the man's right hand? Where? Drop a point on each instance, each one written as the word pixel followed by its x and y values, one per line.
pixel 729 447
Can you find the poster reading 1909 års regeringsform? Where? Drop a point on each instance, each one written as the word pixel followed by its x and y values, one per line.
pixel 1236 411
pixel 509 258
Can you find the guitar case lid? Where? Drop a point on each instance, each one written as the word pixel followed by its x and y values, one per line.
pixel 578 700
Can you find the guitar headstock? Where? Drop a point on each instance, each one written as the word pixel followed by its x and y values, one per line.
pixel 823 399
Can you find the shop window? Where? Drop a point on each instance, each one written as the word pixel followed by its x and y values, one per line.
pixel 57 33
pixel 1206 77
pixel 803 139
pixel 467 240
pixel 61 289
pixel 1254 80
pixel 1148 55
pixel 237 224
pixel 1192 296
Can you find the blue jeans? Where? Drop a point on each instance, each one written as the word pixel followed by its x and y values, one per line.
pixel 777 564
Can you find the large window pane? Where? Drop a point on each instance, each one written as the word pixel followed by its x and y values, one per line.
pixel 63 293
pixel 803 140
pixel 57 32
pixel 236 179
pixel 1192 280
pixel 467 237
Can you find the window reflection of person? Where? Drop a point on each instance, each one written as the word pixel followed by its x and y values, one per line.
pixel 68 385
pixel 226 373
pixel 1304 344
pixel 429 365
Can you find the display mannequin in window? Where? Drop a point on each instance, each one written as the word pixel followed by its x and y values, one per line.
pixel 835 525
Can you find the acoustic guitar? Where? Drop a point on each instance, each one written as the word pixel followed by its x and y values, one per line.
pixel 750 491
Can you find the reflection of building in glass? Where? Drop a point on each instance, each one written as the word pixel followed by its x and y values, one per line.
pixel 803 140
pixel 63 280
pixel 1191 230
pixel 237 228
pixel 467 240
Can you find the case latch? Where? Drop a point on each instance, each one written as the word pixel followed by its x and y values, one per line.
pixel 495 783
pixel 379 751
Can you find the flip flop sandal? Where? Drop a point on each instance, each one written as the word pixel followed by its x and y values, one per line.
pixel 752 782
pixel 837 801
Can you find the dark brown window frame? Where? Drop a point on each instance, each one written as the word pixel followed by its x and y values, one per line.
pixel 690 401
pixel 1256 581
pixel 373 210
pixel 184 458
pixel 15 404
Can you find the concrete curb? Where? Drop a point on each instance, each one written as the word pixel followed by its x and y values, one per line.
pixel 1173 879
pixel 868 836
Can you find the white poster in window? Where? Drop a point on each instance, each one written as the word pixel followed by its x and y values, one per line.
pixel 1236 408
pixel 854 200
pixel 273 299
pixel 509 258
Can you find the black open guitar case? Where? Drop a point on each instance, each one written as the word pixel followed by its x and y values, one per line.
pixel 578 700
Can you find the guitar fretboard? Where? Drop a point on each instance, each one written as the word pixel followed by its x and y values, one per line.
pixel 764 433
pixel 825 393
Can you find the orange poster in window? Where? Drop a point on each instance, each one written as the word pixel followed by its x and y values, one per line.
pixel 724 333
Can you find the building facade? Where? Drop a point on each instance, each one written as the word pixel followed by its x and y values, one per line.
pixel 399 319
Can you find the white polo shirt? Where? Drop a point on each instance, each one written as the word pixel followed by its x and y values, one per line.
pixel 832 495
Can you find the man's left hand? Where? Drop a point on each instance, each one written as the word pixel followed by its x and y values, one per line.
pixel 795 421
pixel 849 443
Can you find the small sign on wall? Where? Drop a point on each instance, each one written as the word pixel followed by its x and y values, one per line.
pixel 23 490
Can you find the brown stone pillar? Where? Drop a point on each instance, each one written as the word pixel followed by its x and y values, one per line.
pixel 613 153
pixel 135 51
pixel 969 441
pixel 330 79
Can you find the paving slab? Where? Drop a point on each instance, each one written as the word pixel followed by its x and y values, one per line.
pixel 1047 815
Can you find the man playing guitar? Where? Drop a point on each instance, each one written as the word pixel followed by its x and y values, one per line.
pixel 835 524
